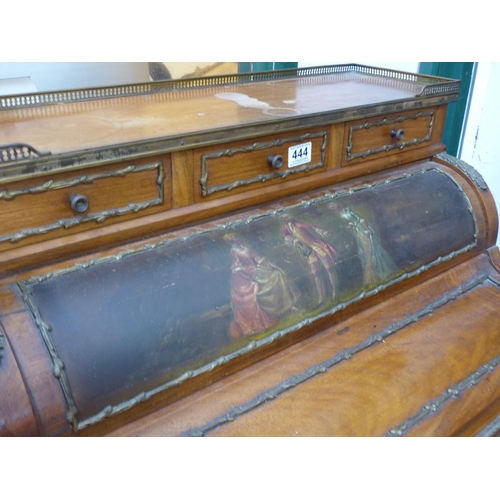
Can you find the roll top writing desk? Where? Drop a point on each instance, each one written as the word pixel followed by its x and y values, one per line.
pixel 284 253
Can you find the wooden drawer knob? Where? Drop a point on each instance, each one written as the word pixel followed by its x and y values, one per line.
pixel 275 161
pixel 398 134
pixel 79 203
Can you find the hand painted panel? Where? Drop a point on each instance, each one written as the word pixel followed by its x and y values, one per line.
pixel 124 327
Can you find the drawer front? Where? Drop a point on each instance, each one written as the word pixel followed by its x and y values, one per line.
pixel 391 133
pixel 72 201
pixel 245 165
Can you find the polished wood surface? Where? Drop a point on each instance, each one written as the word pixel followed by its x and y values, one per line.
pixel 16 414
pixel 368 394
pixel 409 296
pixel 407 373
pixel 78 126
pixel 416 358
pixel 243 165
pixel 116 192
pixel 371 138
pixel 46 399
pixel 188 212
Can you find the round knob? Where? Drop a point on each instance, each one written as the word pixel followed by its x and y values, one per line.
pixel 398 134
pixel 276 161
pixel 79 203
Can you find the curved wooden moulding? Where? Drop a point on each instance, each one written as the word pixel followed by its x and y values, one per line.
pixel 127 332
pixel 16 415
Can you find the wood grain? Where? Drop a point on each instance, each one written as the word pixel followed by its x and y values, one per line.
pixel 134 228
pixel 16 413
pixel 243 165
pixel 207 405
pixel 115 121
pixel 37 204
pixel 380 388
pixel 182 178
pixel 419 338
pixel 36 368
pixel 364 137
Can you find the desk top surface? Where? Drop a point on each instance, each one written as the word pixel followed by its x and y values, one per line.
pixel 91 124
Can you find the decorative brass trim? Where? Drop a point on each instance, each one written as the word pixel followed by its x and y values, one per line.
pixel 432 85
pixel 98 217
pixel 454 391
pixel 206 191
pixel 345 355
pixel 385 147
pixel 46 328
pixel 19 151
pixel 57 363
pixel 467 169
pixel 440 88
pixel 21 169
pixel 492 429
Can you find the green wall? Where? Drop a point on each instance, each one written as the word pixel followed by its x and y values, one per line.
pixel 457 110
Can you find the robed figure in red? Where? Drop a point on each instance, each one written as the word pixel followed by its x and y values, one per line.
pixel 260 291
pixel 319 253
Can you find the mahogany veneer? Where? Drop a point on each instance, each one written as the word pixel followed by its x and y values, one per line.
pixel 282 254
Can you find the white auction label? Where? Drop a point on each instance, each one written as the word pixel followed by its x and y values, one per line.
pixel 300 154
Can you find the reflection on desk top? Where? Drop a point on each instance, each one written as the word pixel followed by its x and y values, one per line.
pixel 77 124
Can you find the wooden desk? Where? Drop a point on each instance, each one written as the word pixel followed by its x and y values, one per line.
pixel 286 253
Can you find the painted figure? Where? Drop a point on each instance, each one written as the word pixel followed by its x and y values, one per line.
pixel 309 239
pixel 377 264
pixel 260 291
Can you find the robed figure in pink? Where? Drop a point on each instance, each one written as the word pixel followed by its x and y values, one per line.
pixel 260 291
pixel 319 253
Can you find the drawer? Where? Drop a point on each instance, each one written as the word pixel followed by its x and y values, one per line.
pixel 52 206
pixel 390 133
pixel 246 165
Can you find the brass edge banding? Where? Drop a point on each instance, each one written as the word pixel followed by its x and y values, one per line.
pixel 19 151
pixel 385 148
pixel 134 150
pixel 467 169
pixel 440 88
pixel 251 346
pixel 97 217
pixel 51 185
pixel 492 429
pixel 345 355
pixel 57 363
pixel 228 225
pixel 433 85
pixel 454 391
pixel 205 190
